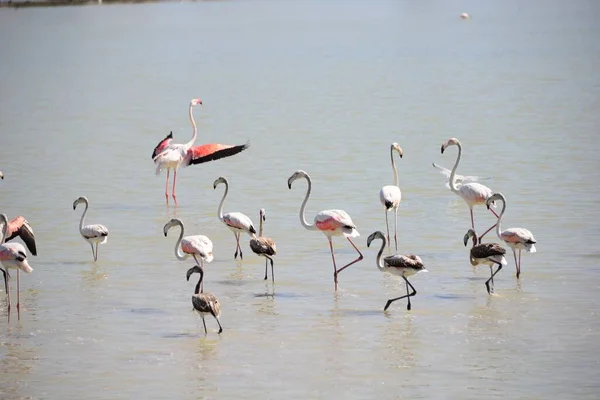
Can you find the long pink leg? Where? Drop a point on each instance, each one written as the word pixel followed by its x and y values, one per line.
pixel 334 267
pixel 167 185
pixel 472 221
pixel 174 183
pixel 388 227
pixel 396 228
pixel 360 257
pixel 518 266
pixel 493 212
pixel 238 245
pixel 19 297
pixel 7 288
pixel 484 233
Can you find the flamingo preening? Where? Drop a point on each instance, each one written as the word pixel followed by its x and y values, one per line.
pixel 12 255
pixel 264 246
pixel 473 193
pixel 171 156
pixel 93 234
pixel 204 303
pixel 398 265
pixel 330 222
pixel 489 254
pixel 390 196
pixel 235 221
pixel 515 238
pixel 195 246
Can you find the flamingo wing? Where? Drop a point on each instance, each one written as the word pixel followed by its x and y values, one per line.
pixel 401 261
pixel 20 227
pixel 198 244
pixel 518 235
pixel 94 231
pixel 210 152
pixel 239 221
pixel 160 147
pixel 263 245
pixel 485 250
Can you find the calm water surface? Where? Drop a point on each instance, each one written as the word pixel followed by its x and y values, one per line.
pixel 87 92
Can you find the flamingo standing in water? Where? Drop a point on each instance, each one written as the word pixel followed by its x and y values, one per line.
pixel 204 303
pixel 235 221
pixel 398 265
pixel 390 196
pixel 195 246
pixel 489 254
pixel 330 222
pixel 12 255
pixel 171 156
pixel 93 234
pixel 472 193
pixel 515 238
pixel 264 246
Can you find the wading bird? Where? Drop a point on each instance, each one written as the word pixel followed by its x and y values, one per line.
pixel 93 234
pixel 515 238
pixel 472 193
pixel 204 303
pixel 489 254
pixel 171 156
pixel 235 221
pixel 330 222
pixel 398 265
pixel 12 255
pixel 390 196
pixel 20 227
pixel 264 246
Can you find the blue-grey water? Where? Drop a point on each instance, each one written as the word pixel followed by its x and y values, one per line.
pixel 325 86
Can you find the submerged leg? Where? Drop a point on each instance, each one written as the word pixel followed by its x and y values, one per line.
pixel 266 265
pixel 414 292
pixel 519 265
pixel 96 251
pixel 93 253
pixel 516 263
pixel 237 245
pixel 490 290
pixel 272 273
pixel 334 267
pixel 204 323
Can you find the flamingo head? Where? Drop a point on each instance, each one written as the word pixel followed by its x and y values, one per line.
pixel 172 223
pixel 396 146
pixel 195 102
pixel 220 179
pixel 373 236
pixel 263 214
pixel 296 175
pixel 491 200
pixel 450 142
pixel 195 268
pixel 470 234
pixel 82 199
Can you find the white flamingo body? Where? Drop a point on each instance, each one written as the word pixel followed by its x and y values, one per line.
pixel 397 265
pixel 515 238
pixel 330 222
pixel 93 234
pixel 12 255
pixel 235 221
pixel 473 193
pixel 191 245
pixel 391 195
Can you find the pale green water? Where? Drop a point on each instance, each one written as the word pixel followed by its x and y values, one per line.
pixel 87 92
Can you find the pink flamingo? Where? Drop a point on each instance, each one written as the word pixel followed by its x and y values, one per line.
pixel 515 238
pixel 330 222
pixel 171 156
pixel 472 193
pixel 12 255
pixel 390 196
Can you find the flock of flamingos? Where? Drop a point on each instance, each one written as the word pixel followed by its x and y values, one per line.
pixel 170 156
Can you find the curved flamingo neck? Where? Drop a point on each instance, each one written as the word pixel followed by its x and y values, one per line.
pixel 178 253
pixel 4 222
pixel 453 173
pixel 394 166
pixel 220 210
pixel 82 220
pixel 303 221
pixel 260 230
pixel 191 142
pixel 380 265
pixel 498 229
pixel 201 272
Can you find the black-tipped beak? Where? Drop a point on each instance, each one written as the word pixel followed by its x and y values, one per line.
pixel 442 149
pixel 289 185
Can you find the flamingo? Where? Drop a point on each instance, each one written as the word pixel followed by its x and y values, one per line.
pixel 330 222
pixel 1 175
pixel 473 193
pixel 93 234
pixel 489 254
pixel 390 196
pixel 204 303
pixel 197 245
pixel 264 246
pixel 235 221
pixel 12 255
pixel 515 238
pixel 19 226
pixel 458 179
pixel 398 265
pixel 171 156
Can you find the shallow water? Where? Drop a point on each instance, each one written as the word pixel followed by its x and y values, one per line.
pixel 87 92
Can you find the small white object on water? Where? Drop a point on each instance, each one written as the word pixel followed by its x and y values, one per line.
pixel 465 16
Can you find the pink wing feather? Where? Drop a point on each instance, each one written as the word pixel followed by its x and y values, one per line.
pixel 162 145
pixel 210 152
